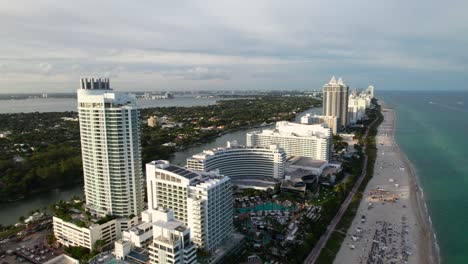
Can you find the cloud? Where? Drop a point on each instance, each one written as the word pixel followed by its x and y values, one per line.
pixel 178 44
pixel 197 74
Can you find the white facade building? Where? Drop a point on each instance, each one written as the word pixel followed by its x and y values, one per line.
pixel 313 141
pixel 69 234
pixel 202 201
pixel 171 240
pixel 328 121
pixel 111 152
pixel 238 161
pixel 335 101
pixel 357 105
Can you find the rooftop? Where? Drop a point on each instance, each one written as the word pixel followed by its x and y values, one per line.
pixel 306 162
pixel 285 128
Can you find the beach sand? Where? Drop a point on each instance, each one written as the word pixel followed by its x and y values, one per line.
pixel 385 231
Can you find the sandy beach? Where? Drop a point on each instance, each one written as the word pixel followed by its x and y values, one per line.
pixel 392 224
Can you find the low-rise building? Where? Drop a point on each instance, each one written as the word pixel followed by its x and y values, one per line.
pixel 171 243
pixel 85 233
pixel 71 235
pixel 152 121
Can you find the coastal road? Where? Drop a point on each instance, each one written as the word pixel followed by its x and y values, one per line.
pixel 315 253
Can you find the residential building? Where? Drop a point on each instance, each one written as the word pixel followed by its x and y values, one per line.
pixel 69 234
pixel 241 162
pixel 152 121
pixel 335 101
pixel 171 240
pixel 201 201
pixel 357 105
pixel 302 140
pixel 111 151
pixel 328 121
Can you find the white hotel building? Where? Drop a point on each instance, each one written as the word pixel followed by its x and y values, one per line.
pixel 313 141
pixel 328 121
pixel 357 105
pixel 241 162
pixel 169 240
pixel 202 201
pixel 110 147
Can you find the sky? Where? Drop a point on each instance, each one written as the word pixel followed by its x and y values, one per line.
pixel 156 45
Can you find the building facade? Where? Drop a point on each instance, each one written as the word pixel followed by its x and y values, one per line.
pixel 111 151
pixel 69 234
pixel 357 105
pixel 313 141
pixel 329 121
pixel 152 121
pixel 335 101
pixel 202 201
pixel 171 240
pixel 237 161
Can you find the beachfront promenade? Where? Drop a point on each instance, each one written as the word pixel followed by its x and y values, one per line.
pixel 315 253
pixel 394 229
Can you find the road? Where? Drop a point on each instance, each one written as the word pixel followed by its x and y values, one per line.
pixel 315 253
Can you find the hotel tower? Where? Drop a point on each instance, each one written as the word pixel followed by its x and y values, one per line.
pixel 111 151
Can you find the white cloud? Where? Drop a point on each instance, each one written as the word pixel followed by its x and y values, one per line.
pixel 179 43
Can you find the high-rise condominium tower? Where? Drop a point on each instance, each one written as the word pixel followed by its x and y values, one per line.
pixel 335 101
pixel 111 151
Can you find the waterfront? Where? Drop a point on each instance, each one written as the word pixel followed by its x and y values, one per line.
pixel 9 212
pixel 432 129
pixel 70 104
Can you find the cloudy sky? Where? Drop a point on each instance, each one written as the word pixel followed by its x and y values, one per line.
pixel 47 45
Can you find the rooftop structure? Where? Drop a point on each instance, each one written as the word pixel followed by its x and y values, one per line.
pixel 95 84
pixel 326 121
pixel 171 240
pixel 62 259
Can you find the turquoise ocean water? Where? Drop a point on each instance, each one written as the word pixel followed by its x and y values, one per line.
pixel 432 129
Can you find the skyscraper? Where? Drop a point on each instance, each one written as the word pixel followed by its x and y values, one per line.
pixel 370 91
pixel 111 151
pixel 335 101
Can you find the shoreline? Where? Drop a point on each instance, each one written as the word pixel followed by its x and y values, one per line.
pixel 427 235
pixel 386 229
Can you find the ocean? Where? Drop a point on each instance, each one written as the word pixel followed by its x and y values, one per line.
pixel 432 129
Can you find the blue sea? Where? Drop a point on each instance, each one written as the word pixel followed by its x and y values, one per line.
pixel 432 129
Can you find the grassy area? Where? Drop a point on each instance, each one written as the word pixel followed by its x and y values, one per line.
pixel 11 231
pixel 333 245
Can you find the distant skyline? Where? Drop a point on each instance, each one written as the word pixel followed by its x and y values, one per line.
pixel 230 45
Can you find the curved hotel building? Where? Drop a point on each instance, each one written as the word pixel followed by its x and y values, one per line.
pixel 312 141
pixel 241 162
